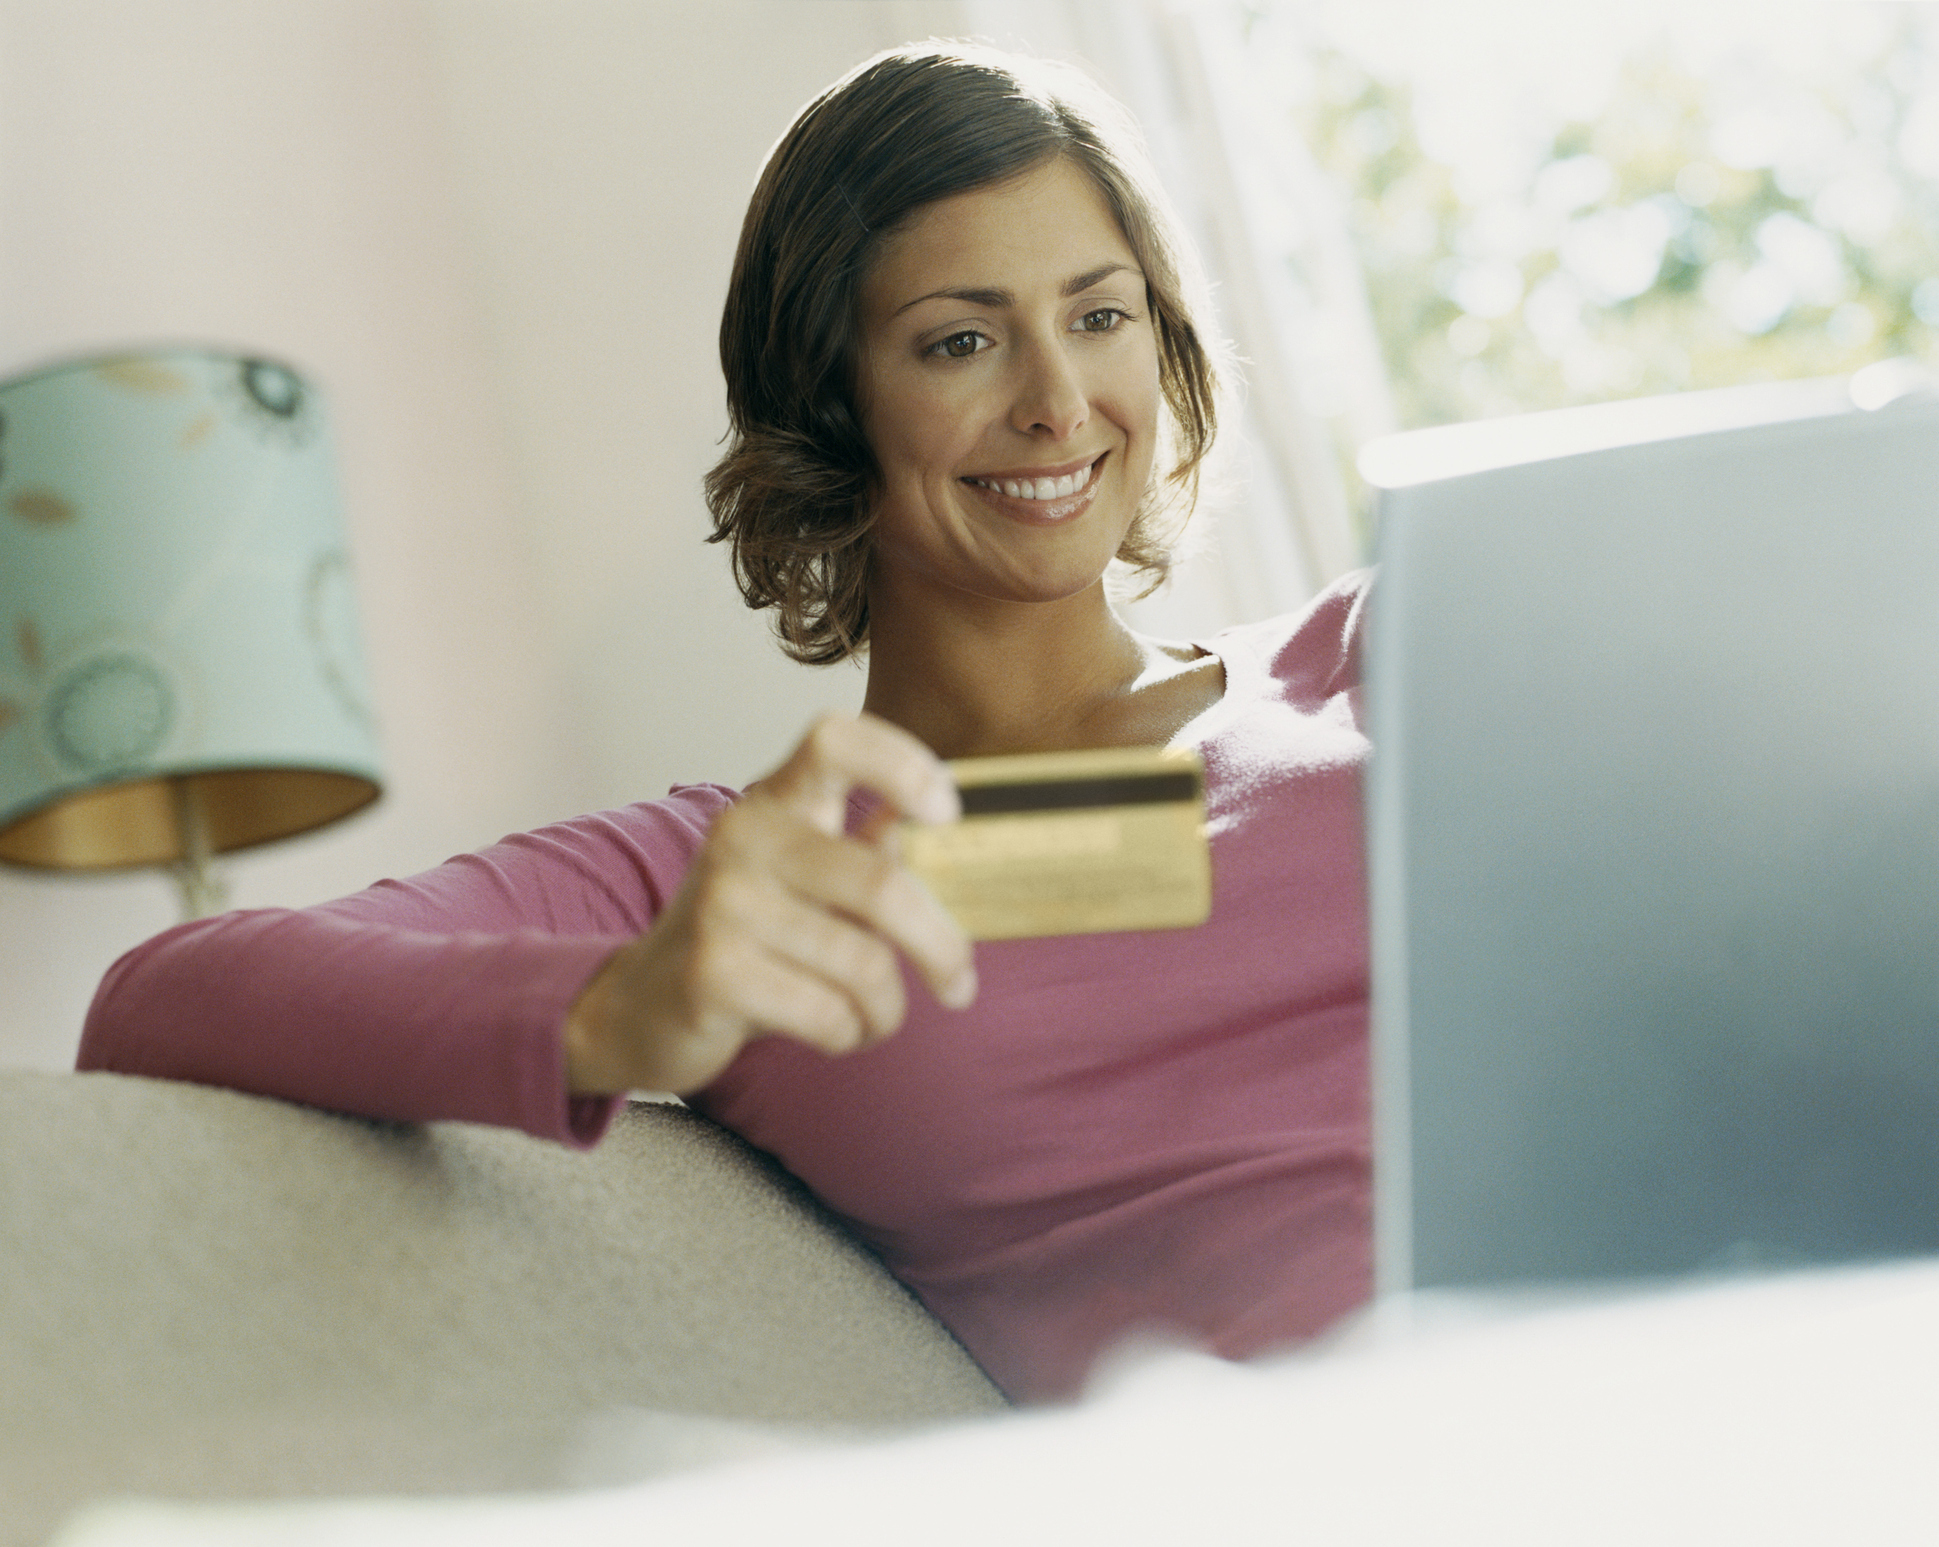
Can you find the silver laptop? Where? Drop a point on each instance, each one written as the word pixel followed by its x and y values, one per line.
pixel 1654 836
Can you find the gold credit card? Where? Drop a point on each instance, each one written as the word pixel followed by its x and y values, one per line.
pixel 1069 843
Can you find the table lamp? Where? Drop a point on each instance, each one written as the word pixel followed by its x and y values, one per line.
pixel 180 671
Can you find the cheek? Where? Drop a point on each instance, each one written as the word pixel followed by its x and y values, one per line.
pixel 916 436
pixel 1136 382
pixel 1140 404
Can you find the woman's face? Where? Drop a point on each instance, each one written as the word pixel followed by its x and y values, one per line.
pixel 1009 388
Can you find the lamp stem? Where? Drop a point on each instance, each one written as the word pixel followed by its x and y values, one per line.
pixel 203 891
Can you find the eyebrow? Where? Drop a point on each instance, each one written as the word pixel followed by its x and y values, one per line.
pixel 996 300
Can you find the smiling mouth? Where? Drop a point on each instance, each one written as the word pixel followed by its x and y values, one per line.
pixel 1042 490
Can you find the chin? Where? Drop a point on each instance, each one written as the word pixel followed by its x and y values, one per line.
pixel 1044 588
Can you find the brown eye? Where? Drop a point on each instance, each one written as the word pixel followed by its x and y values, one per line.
pixel 960 345
pixel 1102 320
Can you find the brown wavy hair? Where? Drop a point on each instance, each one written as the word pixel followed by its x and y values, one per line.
pixel 793 494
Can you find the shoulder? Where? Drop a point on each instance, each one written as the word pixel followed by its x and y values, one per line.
pixel 1315 651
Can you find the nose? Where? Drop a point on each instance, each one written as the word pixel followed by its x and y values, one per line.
pixel 1050 402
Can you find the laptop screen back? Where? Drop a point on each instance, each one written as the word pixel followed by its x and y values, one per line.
pixel 1654 836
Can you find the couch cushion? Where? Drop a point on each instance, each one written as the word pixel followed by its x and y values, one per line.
pixel 209 1294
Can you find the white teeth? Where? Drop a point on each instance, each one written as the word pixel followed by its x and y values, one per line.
pixel 1039 488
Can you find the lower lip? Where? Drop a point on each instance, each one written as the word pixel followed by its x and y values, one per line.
pixel 1043 512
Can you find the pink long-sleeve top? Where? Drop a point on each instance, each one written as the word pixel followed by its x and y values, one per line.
pixel 1163 1131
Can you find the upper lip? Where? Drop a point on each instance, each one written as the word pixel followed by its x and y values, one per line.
pixel 1061 470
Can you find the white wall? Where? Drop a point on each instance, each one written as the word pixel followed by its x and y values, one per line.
pixel 499 232
pixel 603 169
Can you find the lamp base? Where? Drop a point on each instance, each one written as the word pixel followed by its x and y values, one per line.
pixel 203 892
pixel 203 889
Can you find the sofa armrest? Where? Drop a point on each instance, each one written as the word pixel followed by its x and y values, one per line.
pixel 207 1294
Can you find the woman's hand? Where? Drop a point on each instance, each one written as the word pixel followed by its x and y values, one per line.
pixel 783 925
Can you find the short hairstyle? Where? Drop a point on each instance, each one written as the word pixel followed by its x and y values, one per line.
pixel 793 493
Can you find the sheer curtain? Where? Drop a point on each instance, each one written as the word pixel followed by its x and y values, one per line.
pixel 1282 518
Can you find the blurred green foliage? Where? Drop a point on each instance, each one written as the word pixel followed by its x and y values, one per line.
pixel 1698 232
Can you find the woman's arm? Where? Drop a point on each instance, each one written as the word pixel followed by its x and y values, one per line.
pixel 437 996
pixel 465 991
pixel 354 1014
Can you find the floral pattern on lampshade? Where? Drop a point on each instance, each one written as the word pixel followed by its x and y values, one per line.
pixel 27 664
pixel 109 712
pixel 330 616
pixel 40 507
pixel 141 373
pixel 175 594
pixel 272 401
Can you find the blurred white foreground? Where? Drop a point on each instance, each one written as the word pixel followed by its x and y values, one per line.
pixel 1796 1409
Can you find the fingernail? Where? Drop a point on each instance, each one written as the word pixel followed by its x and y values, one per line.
pixel 961 992
pixel 942 803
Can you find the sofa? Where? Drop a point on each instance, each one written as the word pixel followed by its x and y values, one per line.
pixel 208 1295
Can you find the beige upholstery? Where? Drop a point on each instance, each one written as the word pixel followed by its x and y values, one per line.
pixel 204 1294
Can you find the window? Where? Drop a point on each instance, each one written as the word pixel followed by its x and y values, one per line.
pixel 1558 204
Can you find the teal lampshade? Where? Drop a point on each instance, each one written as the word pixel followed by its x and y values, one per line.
pixel 180 666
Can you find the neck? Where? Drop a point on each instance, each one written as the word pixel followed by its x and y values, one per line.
pixel 971 677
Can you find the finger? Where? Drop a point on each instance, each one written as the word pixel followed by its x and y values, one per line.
pixel 854 962
pixel 756 842
pixel 775 996
pixel 740 913
pixel 841 753
pixel 867 882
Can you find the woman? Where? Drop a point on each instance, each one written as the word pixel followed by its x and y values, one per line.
pixel 964 376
